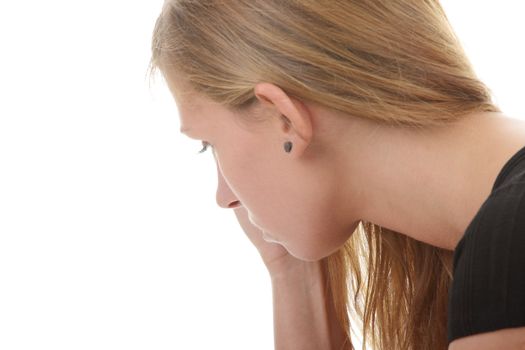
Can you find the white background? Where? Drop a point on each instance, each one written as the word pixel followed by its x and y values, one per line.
pixel 110 237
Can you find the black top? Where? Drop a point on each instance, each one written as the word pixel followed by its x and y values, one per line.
pixel 488 288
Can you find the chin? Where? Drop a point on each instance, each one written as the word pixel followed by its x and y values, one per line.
pixel 309 256
pixel 311 259
pixel 313 254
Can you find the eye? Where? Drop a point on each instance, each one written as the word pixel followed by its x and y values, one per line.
pixel 205 146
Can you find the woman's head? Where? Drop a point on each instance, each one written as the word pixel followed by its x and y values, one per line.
pixel 297 198
pixel 394 63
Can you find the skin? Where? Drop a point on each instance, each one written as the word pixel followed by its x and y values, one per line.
pixel 427 184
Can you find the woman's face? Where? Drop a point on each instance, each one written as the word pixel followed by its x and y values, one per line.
pixel 295 198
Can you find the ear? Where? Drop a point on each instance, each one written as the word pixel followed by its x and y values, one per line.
pixel 295 123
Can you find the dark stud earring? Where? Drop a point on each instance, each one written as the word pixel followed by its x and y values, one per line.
pixel 288 146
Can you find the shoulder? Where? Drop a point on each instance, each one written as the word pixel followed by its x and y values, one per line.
pixel 488 287
pixel 501 215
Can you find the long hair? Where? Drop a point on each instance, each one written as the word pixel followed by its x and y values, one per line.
pixel 396 62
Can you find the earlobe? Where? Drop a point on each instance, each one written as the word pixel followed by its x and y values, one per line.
pixel 293 113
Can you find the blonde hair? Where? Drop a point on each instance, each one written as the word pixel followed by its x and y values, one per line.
pixel 396 62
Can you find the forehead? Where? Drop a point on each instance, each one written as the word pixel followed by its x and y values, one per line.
pixel 195 111
pixel 188 103
pixel 198 112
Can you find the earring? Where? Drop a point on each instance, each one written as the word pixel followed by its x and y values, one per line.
pixel 288 146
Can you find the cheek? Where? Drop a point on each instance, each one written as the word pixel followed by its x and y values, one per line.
pixel 317 237
pixel 237 163
pixel 245 184
pixel 297 212
pixel 309 228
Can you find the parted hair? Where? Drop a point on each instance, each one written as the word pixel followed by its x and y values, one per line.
pixel 396 62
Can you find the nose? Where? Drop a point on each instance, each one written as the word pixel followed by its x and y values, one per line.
pixel 225 197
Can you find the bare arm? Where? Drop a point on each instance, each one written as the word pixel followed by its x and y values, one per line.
pixel 508 339
pixel 303 317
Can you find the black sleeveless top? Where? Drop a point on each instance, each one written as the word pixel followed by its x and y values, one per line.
pixel 488 287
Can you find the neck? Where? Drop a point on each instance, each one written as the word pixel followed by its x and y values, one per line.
pixel 430 184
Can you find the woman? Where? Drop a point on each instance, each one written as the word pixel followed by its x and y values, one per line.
pixel 362 156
